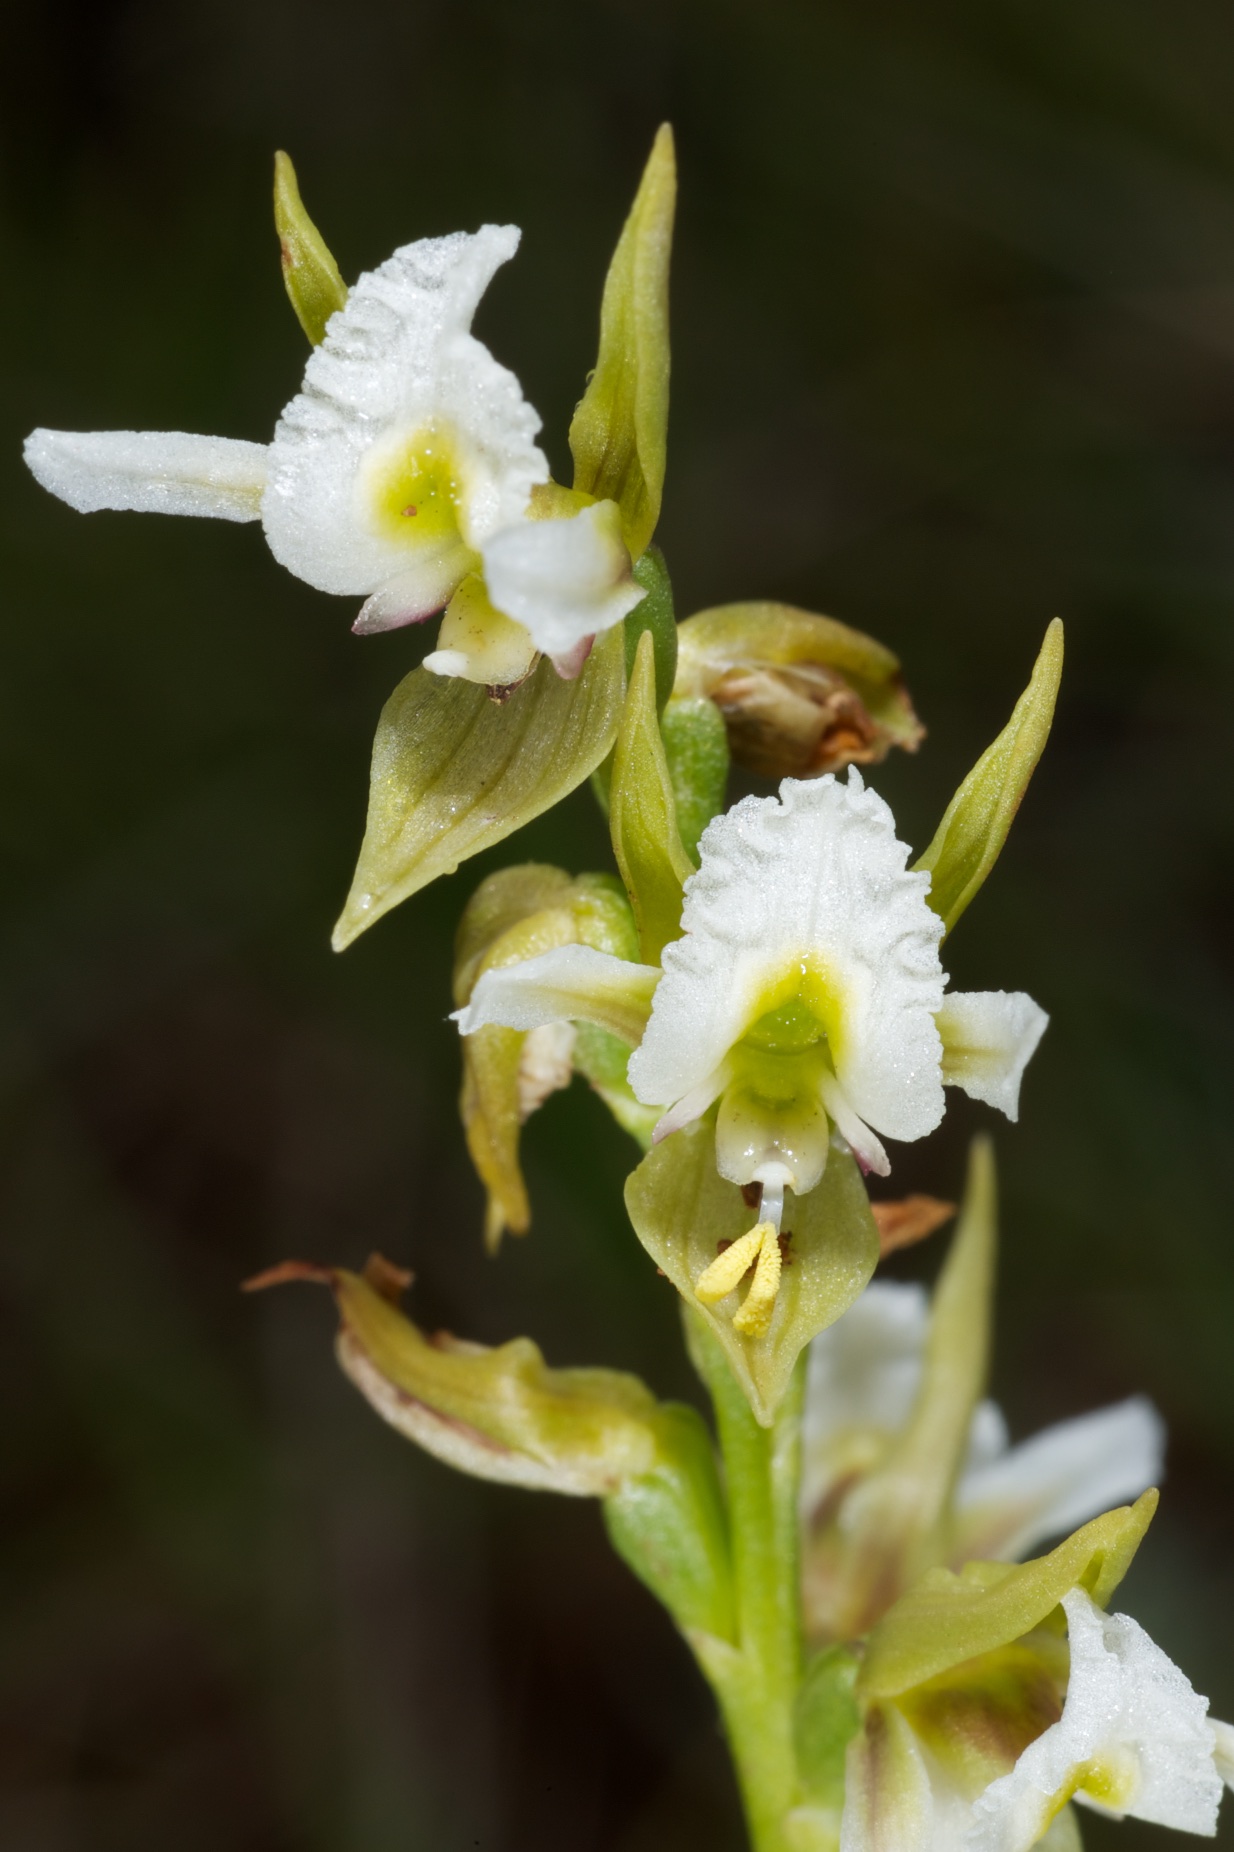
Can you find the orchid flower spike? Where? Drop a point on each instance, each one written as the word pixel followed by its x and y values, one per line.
pixel 404 470
pixel 805 995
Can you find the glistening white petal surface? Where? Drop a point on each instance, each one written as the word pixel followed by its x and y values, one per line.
pixel 155 472
pixel 1223 1749
pixel 398 360
pixel 1059 1479
pixel 571 983
pixel 989 1038
pixel 563 580
pixel 813 875
pixel 1131 1717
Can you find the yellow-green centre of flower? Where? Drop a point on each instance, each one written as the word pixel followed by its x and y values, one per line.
pixel 800 1009
pixel 416 489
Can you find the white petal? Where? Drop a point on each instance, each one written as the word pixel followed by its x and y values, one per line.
pixel 758 1140
pixel 987 1439
pixel 814 877
pixel 563 580
pixel 888 1803
pixel 156 472
pixel 399 366
pixel 989 1038
pixel 409 597
pixel 1223 1751
pixel 865 1147
pixel 1059 1479
pixel 1133 1739
pixel 692 1105
pixel 572 983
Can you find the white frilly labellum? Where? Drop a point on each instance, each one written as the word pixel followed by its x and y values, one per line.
pixel 811 880
pixel 400 383
pixel 1134 1739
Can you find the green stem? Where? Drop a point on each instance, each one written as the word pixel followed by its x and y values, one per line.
pixel 757 1684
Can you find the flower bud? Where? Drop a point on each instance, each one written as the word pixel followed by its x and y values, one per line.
pixel 800 694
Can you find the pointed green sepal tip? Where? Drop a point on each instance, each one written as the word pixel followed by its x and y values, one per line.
pixel 975 823
pixel 314 286
pixel 946 1619
pixel 619 431
pixel 497 1413
pixel 454 772
pixel 671 1528
pixel 682 1211
pixel 643 814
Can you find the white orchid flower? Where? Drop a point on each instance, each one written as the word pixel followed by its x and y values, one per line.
pixel 865 1373
pixel 403 470
pixel 1110 1721
pixel 1134 1739
pixel 806 994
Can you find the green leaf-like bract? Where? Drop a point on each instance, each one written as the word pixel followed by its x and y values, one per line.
pixel 696 748
pixel 975 823
pixel 618 433
pixel 498 1413
pixel 454 772
pixel 681 1208
pixel 948 1618
pixel 314 286
pixel 643 814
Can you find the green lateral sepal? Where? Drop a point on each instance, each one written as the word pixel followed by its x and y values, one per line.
pixel 314 287
pixel 968 841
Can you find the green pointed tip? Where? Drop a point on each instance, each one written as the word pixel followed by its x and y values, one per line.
pixel 619 432
pixel 643 813
pixel 976 822
pixel 314 286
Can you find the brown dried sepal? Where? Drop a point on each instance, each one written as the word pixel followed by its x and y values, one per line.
pixel 901 1224
pixel 797 722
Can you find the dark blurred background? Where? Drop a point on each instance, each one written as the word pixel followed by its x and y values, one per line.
pixel 954 318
